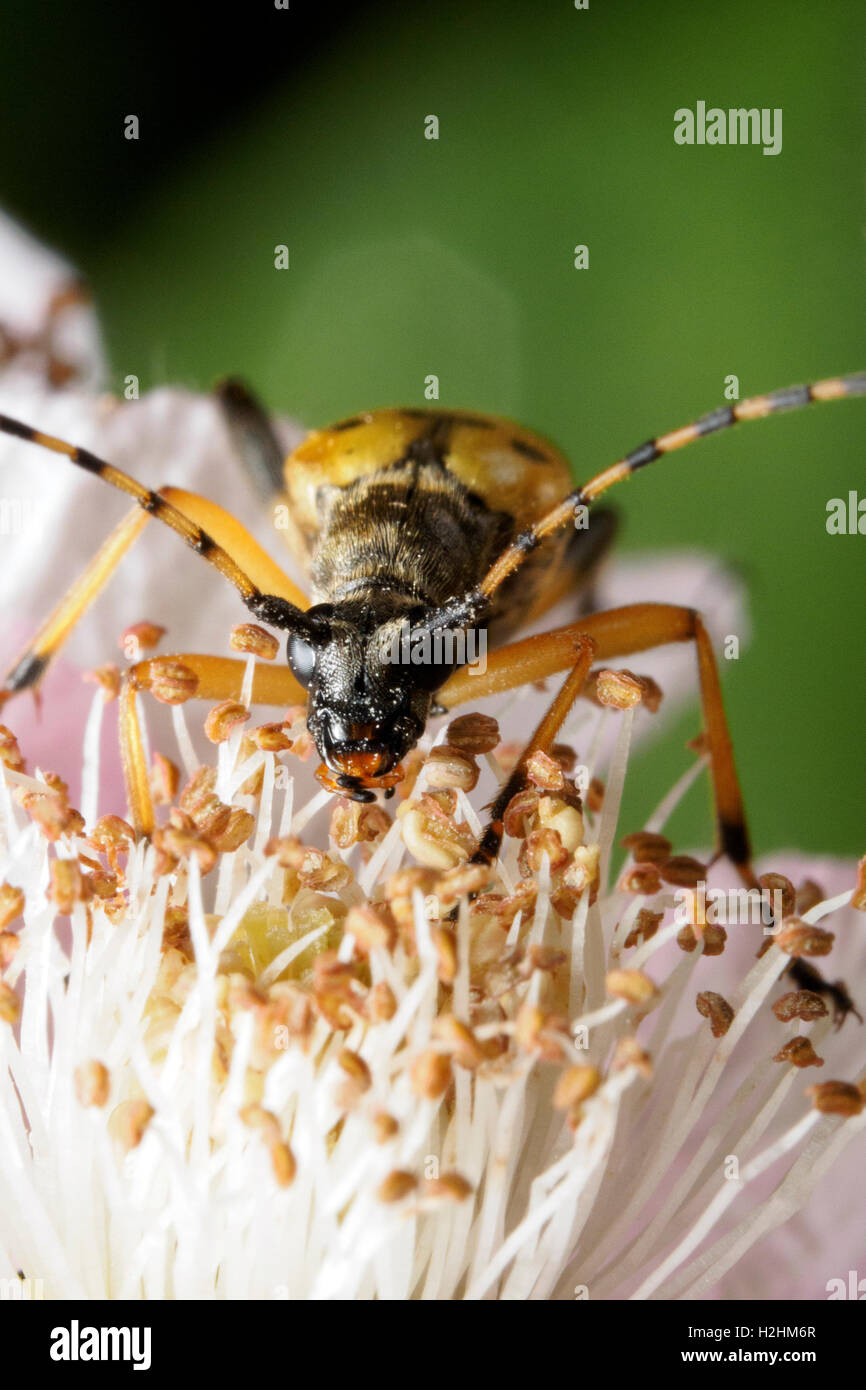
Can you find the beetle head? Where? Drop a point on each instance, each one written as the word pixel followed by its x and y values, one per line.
pixel 369 688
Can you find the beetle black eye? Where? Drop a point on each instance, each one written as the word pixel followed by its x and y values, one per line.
pixel 301 656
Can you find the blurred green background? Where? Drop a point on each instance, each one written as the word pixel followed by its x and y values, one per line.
pixel 455 257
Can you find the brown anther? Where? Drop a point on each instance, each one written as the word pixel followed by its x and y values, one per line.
pixel 551 1042
pixel 175 932
pixel 431 837
pixel 538 846
pixel 139 638
pixel 647 847
pixel 381 1003
pixel 633 986
pixel 452 1187
pixel 128 1123
pixel 582 872
pixel 717 1009
pixel 385 1127
pixel 223 719
pixel 356 822
pixel 353 1064
pixel 641 879
pixel 462 881
pixel 335 991
pixel 175 844
pixel 256 780
pixel 10 1006
pixel 237 831
pixel 264 1122
pixel 10 945
pixel 618 689
pixel 448 767
pixel 652 693
pixel 445 944
pixel 272 738
pixel 397 1186
pixel 199 789
pixel 404 883
pixel 399 893
pixel 548 959
pixel 564 900
pixel 473 733
pixel 164 780
pixel 430 1074
pixel 440 805
pixel 798 938
pixel 345 823
pixel 858 897
pixel 210 817
pixel 565 756
pixel 809 894
pixel 700 744
pixel 11 904
pixel 645 927
pixel 505 909
pixel 529 1023
pixel 373 928
pixel 800 1003
pixel 629 1053
pixel 595 795
pixel 292 1008
pixel 460 1040
pixel 800 1053
pixel 303 746
pixel 508 755
pixel 170 681
pixel 778 883
pixel 575 1085
pixel 713 936
pixel 92 1083
pixel 10 753
pixel 111 836
pixel 412 765
pixel 108 677
pixel 52 813
pixel 283 1163
pixel 68 886
pixel 683 871
pixel 520 813
pixel 250 638
pixel 315 869
pixel 544 772
pixel 836 1098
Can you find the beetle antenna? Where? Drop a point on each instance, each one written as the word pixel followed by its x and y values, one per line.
pixel 269 608
pixel 791 398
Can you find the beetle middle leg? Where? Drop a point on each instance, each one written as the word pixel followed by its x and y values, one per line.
pixel 620 632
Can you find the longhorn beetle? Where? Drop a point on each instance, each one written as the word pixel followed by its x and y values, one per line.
pixel 441 520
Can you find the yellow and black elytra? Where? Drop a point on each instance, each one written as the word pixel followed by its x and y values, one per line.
pixel 442 520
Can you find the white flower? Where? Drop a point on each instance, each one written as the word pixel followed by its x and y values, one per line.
pixel 512 1110
pixel 237 1064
